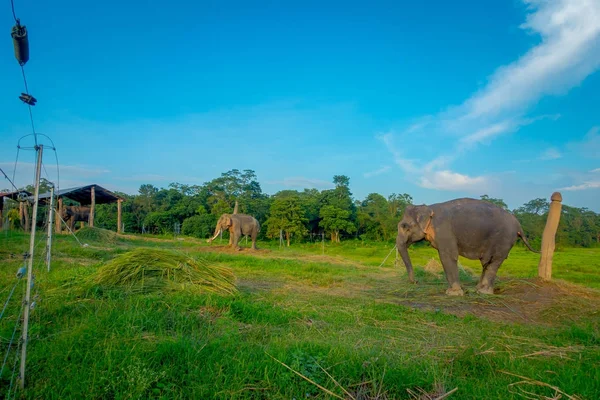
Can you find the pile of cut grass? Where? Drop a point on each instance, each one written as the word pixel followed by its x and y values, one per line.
pixel 97 235
pixel 146 270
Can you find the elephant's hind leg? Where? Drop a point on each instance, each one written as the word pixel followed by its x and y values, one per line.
pixel 488 275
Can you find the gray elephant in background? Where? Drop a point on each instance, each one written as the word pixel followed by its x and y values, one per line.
pixel 237 225
pixel 474 229
pixel 72 214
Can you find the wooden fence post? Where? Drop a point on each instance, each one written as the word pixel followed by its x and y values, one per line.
pixel 549 237
pixel 57 221
pixel 92 208
pixel 119 216
pixel 26 216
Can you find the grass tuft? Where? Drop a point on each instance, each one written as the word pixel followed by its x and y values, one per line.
pixel 149 270
pixel 97 235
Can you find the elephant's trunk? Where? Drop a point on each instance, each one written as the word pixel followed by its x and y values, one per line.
pixel 217 232
pixel 402 249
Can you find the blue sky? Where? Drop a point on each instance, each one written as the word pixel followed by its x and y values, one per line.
pixel 436 100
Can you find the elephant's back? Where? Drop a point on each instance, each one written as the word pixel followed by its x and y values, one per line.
pixel 478 218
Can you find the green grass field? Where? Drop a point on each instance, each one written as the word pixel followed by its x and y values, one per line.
pixel 306 324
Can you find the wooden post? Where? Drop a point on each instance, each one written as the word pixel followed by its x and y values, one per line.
pixel 26 216
pixel 21 215
pixel 119 216
pixel 57 221
pixel 549 237
pixel 235 208
pixel 93 207
pixel 81 224
pixel 1 210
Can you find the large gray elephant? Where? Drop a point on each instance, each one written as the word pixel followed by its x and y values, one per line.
pixel 474 229
pixel 72 214
pixel 238 225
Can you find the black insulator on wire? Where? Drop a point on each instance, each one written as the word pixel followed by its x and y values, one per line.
pixel 21 43
pixel 28 99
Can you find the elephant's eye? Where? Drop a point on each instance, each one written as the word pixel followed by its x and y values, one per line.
pixel 404 225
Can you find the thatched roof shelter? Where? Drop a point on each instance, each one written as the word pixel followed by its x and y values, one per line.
pixel 88 195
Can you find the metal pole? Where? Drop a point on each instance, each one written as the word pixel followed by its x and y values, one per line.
pixel 26 304
pixel 50 219
pixel 323 242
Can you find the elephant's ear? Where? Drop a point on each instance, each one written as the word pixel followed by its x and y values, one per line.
pixel 425 217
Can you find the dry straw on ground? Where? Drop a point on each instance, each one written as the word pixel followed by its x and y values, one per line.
pixel 434 267
pixel 97 235
pixel 147 270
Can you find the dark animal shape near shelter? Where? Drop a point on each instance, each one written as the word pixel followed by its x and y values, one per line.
pixel 87 196
pixel 72 214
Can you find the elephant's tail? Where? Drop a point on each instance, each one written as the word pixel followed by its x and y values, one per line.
pixel 526 242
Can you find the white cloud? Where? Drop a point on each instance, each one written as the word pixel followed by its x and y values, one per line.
pixel 486 133
pixel 589 146
pixel 551 154
pixel 583 186
pixel 568 51
pixel 302 182
pixel 70 175
pixel 448 180
pixel 379 171
pixel 594 171
pixel 407 165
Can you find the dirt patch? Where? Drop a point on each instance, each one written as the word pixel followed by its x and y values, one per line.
pixel 230 250
pixel 522 301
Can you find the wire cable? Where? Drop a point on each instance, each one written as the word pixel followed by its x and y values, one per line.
pixel 8 179
pixel 11 340
pixel 29 106
pixel 9 297
pixel 12 4
pixel 16 160
pixel 12 379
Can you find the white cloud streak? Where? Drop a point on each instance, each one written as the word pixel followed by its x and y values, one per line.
pixel 453 181
pixel 569 51
pixel 584 186
pixel 551 154
pixel 589 146
pixel 407 165
pixel 377 172
pixel 567 54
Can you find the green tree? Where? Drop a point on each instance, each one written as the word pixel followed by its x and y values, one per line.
pixel 340 198
pixel 335 220
pixel 372 216
pixel 537 206
pixel 498 202
pixel 287 215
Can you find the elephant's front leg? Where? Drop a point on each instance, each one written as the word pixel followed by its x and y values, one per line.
pixel 449 260
pixel 236 238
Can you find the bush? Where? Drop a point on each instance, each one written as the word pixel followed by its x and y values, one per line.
pixel 200 226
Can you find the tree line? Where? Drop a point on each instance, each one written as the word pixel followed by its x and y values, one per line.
pixel 296 216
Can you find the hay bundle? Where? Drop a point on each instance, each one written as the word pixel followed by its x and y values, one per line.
pixel 147 270
pixel 97 235
pixel 434 267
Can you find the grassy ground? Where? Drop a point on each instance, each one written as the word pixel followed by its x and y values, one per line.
pixel 353 328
